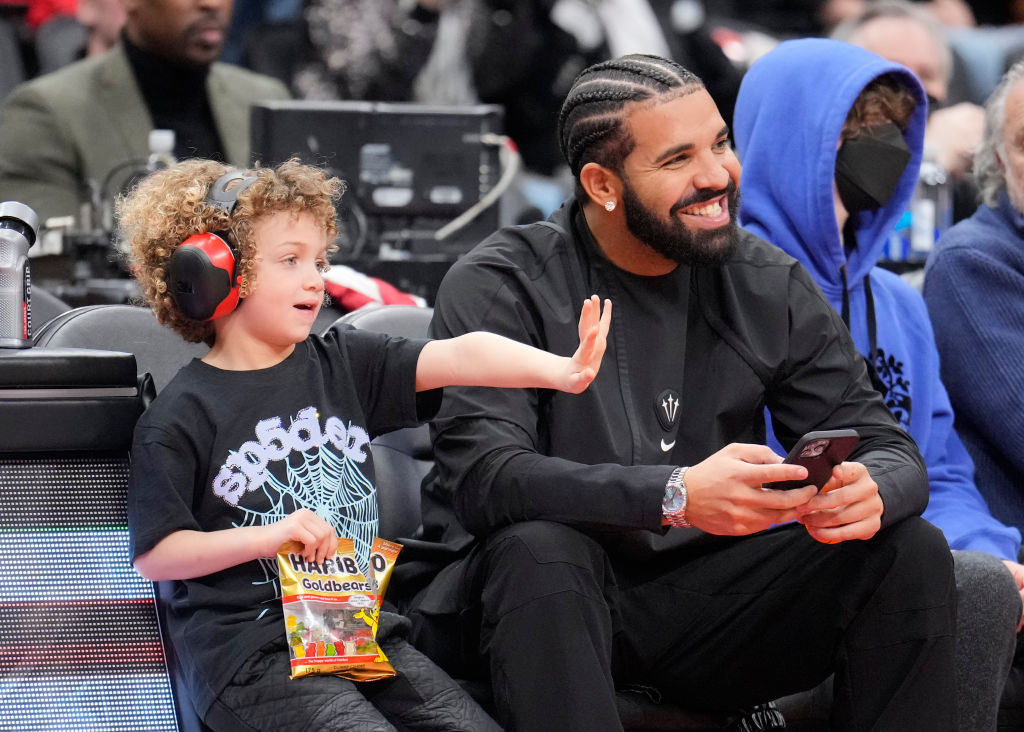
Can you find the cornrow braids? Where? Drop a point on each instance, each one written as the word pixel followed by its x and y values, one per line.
pixel 590 121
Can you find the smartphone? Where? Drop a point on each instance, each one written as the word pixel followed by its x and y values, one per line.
pixel 819 452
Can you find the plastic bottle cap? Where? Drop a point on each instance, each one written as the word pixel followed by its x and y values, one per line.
pixel 161 141
pixel 16 212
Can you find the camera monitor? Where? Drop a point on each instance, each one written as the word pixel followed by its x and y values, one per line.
pixel 410 170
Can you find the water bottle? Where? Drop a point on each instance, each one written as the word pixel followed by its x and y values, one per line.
pixel 18 226
pixel 161 150
pixel 930 213
pixel 931 208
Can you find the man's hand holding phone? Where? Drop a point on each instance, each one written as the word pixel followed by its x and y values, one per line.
pixel 726 494
pixel 848 507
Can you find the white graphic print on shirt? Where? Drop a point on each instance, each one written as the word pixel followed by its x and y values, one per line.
pixel 324 477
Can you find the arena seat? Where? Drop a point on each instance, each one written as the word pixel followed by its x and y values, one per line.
pixel 1011 707
pixel 158 350
pixel 45 307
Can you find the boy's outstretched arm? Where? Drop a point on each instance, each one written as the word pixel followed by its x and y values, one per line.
pixel 185 554
pixel 487 359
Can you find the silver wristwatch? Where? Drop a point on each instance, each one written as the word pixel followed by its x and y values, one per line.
pixel 673 506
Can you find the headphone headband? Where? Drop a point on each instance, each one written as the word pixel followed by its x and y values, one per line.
pixel 224 198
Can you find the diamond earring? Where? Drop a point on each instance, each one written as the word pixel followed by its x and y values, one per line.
pixel 609 206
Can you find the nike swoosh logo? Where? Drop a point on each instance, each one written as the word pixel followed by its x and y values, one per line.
pixel 666 446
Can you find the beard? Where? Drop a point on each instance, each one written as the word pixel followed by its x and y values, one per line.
pixel 672 239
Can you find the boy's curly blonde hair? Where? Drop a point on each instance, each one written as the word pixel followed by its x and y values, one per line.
pixel 169 206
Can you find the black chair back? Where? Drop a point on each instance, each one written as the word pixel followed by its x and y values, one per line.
pixel 158 350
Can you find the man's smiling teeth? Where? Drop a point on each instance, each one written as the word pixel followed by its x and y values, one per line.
pixel 710 209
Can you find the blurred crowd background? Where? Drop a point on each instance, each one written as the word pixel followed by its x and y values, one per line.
pixel 524 55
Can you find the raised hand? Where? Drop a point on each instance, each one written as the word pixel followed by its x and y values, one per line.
pixel 593 330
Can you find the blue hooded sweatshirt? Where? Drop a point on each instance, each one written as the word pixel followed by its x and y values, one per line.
pixel 787 124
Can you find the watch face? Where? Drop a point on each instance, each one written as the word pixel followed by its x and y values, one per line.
pixel 673 499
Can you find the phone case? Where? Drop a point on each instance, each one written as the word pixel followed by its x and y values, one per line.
pixel 819 452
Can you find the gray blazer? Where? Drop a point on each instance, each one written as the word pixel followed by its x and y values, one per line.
pixel 64 130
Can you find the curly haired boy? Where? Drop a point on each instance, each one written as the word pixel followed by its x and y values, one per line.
pixel 266 440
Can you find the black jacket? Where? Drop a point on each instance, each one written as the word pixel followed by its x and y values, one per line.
pixel 758 333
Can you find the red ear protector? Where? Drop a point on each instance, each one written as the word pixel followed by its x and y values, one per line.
pixel 202 274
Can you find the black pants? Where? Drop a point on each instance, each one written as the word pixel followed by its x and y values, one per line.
pixel 729 622
pixel 420 698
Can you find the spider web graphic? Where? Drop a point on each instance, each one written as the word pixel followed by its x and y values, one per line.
pixel 334 487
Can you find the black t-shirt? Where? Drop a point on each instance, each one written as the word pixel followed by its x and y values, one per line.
pixel 656 353
pixel 655 349
pixel 220 449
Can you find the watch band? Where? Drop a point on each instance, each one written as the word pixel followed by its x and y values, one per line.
pixel 677 483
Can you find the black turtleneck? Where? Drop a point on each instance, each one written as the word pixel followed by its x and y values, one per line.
pixel 177 100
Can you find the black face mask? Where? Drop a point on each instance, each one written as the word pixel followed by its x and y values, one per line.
pixel 869 167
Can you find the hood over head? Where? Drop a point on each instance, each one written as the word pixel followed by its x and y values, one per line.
pixel 787 124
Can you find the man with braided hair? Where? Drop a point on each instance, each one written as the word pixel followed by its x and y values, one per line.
pixel 631 536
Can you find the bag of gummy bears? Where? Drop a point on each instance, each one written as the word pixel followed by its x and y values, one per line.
pixel 331 610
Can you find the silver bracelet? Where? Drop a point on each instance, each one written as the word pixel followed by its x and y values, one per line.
pixel 676 481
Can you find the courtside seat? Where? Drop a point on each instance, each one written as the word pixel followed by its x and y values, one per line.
pixel 45 306
pixel 402 458
pixel 158 350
